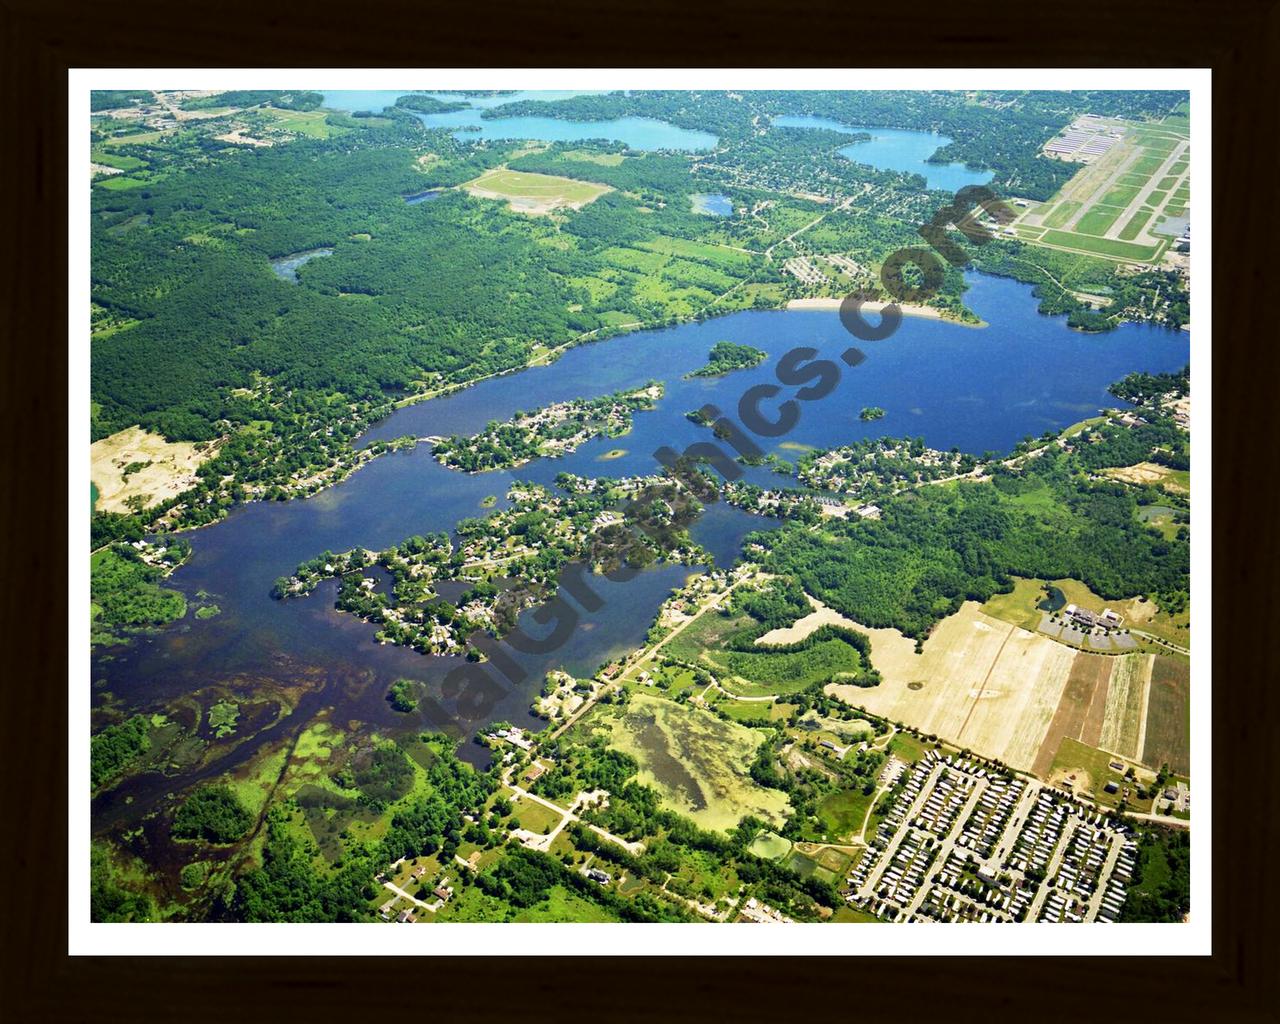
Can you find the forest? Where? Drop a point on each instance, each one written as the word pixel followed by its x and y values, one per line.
pixel 727 356
pixel 212 814
pixel 125 592
pixel 934 548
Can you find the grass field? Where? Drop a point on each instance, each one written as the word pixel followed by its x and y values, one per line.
pixel 1168 738
pixel 698 763
pixel 310 123
pixel 770 846
pixel 534 193
pixel 1135 224
pixel 852 915
pixel 1019 605
pixel 1062 213
pixel 535 817
pixel 1092 770
pixel 843 813
pixel 1103 246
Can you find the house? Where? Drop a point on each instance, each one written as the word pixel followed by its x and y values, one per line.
pixel 1111 787
pixel 1081 616
pixel 596 875
pixel 535 772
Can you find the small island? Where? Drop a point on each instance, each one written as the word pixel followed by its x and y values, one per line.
pixel 546 433
pixel 401 696
pixel 725 357
pixel 871 412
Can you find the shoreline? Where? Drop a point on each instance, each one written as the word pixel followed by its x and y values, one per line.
pixel 834 304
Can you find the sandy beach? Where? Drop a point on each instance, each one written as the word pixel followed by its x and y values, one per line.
pixel 833 304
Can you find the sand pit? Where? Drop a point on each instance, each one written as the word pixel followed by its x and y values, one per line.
pixel 1147 473
pixel 983 684
pixel 160 469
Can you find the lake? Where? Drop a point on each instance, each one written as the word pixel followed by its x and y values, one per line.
pixel 640 133
pixel 897 149
pixel 977 389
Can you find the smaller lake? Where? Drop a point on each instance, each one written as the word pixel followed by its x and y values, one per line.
pixel 896 149
pixel 286 267
pixel 423 197
pixel 713 204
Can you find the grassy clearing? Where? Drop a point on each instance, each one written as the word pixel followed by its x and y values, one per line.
pixel 756 675
pixel 844 812
pixel 535 817
pixel 852 915
pixel 534 193
pixel 310 123
pixel 703 252
pixel 1018 606
pixel 770 846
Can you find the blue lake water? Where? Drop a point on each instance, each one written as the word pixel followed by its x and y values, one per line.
pixel 641 133
pixel 377 100
pixel 423 197
pixel 286 267
pixel 713 204
pixel 897 149
pixel 977 389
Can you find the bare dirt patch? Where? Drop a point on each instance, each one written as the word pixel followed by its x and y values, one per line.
pixel 1083 701
pixel 811 623
pixel 136 464
pixel 1147 473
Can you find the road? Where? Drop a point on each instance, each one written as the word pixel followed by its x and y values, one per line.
pixel 944 850
pixel 544 842
pixel 639 657
pixel 869 886
pixel 1042 893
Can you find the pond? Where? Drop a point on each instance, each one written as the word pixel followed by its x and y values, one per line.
pixel 897 149
pixel 713 204
pixel 286 267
